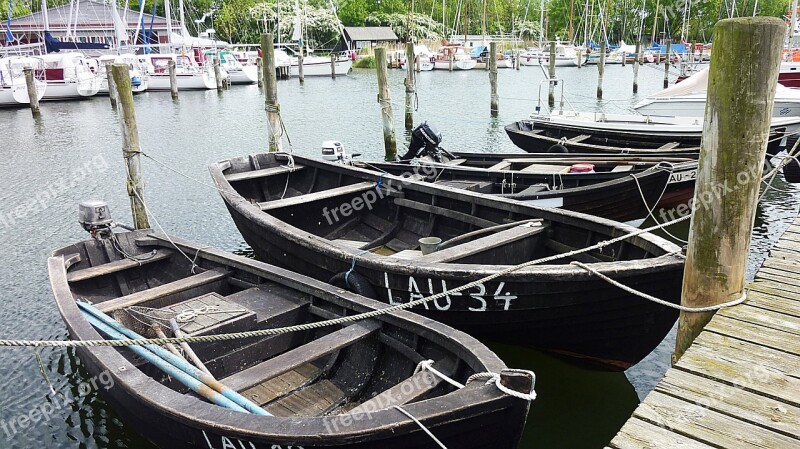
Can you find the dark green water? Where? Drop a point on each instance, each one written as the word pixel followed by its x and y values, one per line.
pixel 73 153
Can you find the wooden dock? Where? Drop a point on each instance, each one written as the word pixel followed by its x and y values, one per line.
pixel 738 385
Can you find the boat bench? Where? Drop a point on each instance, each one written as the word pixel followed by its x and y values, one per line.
pixel 485 243
pixel 189 287
pixel 318 196
pixel 262 173
pixel 301 355
pixel 117 266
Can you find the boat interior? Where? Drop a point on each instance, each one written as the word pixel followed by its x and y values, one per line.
pixel 144 282
pixel 387 217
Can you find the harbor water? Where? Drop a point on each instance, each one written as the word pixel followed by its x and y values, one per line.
pixel 73 153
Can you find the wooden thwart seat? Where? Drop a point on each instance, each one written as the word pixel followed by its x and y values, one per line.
pixel 622 168
pixel 545 168
pixel 317 196
pixel 264 172
pixel 484 243
pixel 578 139
pixel 669 146
pixel 467 218
pixel 301 355
pixel 162 291
pixel 116 266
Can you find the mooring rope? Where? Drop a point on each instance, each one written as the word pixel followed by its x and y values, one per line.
pixel 658 301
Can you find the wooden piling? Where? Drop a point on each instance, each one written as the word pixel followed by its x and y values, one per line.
pixel 385 100
pixel 551 95
pixel 601 68
pixel 492 62
pixel 419 63
pixel 33 95
pixel 580 59
pixel 333 66
pixel 411 86
pixel 450 61
pixel 112 88
pixel 624 58
pixel 173 79
pixel 131 149
pixel 741 89
pixel 637 61
pixel 516 59
pixel 666 63
pixel 218 74
pixel 300 75
pixel 271 94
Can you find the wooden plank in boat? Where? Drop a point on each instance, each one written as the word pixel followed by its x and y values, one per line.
pixel 303 354
pixel 282 385
pixel 467 218
pixel 502 165
pixel 116 266
pixel 472 186
pixel 135 299
pixel 669 146
pixel 409 390
pixel 456 161
pixel 264 172
pixel 312 400
pixel 622 168
pixel 317 196
pixel 407 254
pixel 483 244
pixel 213 314
pixel 545 168
pixel 578 139
pixel 350 243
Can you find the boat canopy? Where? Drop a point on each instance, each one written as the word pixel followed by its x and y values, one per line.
pixel 697 84
pixel 477 51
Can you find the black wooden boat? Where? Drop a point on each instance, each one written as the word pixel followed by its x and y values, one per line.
pixel 680 188
pixel 612 190
pixel 332 221
pixel 333 387
pixel 627 134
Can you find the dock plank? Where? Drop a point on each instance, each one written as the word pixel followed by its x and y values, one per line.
pixel 738 385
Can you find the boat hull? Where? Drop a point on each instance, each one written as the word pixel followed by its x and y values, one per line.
pixel 71 90
pixel 17 95
pixel 458 64
pixel 247 75
pixel 342 67
pixel 544 306
pixel 186 81
pixel 696 106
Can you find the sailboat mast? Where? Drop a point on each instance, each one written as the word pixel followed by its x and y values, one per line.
pixel 182 16
pixel 655 25
pixel 168 13
pixel 45 16
pixel 541 24
pixel 571 14
pixel 483 23
pixel 444 18
pixel 793 28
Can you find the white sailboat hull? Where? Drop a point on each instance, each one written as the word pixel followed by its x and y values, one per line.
pixel 186 81
pixel 458 64
pixel 70 90
pixel 320 68
pixel 17 94
pixel 247 75
pixel 696 106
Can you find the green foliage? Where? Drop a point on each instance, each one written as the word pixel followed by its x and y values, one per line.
pixel 17 8
pixel 367 62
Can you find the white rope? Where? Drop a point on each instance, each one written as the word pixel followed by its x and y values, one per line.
pixel 427 365
pixel 421 426
pixel 494 378
pixel 632 291
pixel 650 211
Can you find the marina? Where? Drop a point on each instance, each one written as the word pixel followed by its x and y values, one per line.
pixel 294 260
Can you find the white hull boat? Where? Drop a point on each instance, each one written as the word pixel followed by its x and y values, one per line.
pixel 248 74
pixel 13 88
pixel 319 66
pixel 688 99
pixel 186 81
pixel 458 64
pixel 68 77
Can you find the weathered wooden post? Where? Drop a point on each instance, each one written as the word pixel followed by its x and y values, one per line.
pixel 112 88
pixel 551 95
pixel 173 79
pixel 580 58
pixel 516 59
pixel 218 74
pixel 131 149
pixel 419 63
pixel 666 63
pixel 260 68
pixel 492 62
pixel 300 73
pixel 601 68
pixel 637 61
pixel 450 61
pixel 333 66
pixel 33 95
pixel 411 86
pixel 624 58
pixel 741 89
pixel 385 100
pixel 271 94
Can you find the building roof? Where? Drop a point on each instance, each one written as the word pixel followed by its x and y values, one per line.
pixel 370 34
pixel 90 14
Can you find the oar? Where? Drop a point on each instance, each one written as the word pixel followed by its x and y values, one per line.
pixel 121 332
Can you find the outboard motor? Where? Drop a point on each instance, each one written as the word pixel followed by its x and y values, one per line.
pixel 95 218
pixel 333 151
pixel 425 140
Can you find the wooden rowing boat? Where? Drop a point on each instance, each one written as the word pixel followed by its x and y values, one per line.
pixel 619 191
pixel 332 221
pixel 333 387
pixel 580 132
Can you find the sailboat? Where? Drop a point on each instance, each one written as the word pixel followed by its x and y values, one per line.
pixel 13 88
pixel 312 65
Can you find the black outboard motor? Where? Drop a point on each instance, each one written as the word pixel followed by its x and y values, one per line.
pixel 425 140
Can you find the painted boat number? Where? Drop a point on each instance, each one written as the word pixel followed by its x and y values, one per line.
pixel 228 443
pixel 682 176
pixel 478 300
